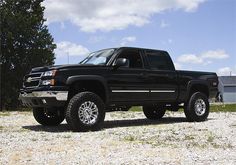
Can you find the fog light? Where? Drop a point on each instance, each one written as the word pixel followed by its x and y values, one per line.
pixel 44 101
pixel 214 84
pixel 48 82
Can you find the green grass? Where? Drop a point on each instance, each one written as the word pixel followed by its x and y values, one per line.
pixel 213 108
pixel 136 109
pixel 67 136
pixel 25 109
pixel 4 113
pixel 189 137
pixel 130 138
pixel 210 138
pixel 223 108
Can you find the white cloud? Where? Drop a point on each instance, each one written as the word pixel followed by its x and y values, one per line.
pixel 62 26
pixel 215 54
pixel 164 24
pixel 96 39
pixel 169 41
pixel 178 66
pixel 189 58
pixel 127 40
pixel 65 48
pixel 189 5
pixel 226 71
pixel 203 58
pixel 107 15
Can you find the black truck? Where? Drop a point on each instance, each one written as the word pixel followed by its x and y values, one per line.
pixel 116 79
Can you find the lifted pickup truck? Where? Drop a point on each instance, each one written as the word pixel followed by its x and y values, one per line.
pixel 116 79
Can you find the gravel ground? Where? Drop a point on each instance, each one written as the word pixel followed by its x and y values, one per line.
pixel 127 138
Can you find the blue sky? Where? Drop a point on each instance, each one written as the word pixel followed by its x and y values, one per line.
pixel 198 34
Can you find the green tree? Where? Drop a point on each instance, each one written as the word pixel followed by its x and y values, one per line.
pixel 25 43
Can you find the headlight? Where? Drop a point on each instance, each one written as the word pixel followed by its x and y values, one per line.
pixel 50 73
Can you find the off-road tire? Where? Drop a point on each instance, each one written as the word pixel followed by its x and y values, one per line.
pixel 154 112
pixel 49 116
pixel 72 112
pixel 191 108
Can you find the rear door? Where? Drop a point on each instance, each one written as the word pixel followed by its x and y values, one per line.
pixel 162 76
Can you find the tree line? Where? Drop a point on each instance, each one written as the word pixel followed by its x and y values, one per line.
pixel 25 43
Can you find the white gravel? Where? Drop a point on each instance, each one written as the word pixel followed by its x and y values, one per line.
pixel 127 138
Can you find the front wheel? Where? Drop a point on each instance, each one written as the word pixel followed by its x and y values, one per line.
pixel 49 116
pixel 85 111
pixel 197 108
pixel 154 112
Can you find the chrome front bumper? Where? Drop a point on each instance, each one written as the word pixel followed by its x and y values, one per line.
pixel 59 95
pixel 44 98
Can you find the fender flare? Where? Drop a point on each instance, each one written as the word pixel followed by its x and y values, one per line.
pixel 72 79
pixel 195 82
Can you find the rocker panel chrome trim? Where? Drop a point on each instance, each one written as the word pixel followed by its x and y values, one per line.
pixel 162 91
pixel 130 91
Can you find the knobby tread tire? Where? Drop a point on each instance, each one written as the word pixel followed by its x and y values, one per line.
pixel 190 111
pixel 40 115
pixel 72 118
pixel 154 112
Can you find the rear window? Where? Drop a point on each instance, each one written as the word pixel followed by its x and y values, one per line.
pixel 159 60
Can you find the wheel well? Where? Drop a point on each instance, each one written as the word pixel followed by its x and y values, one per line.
pixel 199 88
pixel 88 85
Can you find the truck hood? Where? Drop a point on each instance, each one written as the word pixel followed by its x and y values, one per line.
pixel 58 67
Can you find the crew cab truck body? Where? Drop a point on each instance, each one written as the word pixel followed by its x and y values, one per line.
pixel 116 79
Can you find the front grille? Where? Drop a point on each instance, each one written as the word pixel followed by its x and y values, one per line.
pixel 32 80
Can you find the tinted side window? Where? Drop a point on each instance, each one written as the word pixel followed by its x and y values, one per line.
pixel 159 60
pixel 135 60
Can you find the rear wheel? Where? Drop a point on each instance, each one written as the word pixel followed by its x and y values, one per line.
pixel 49 116
pixel 197 108
pixel 154 112
pixel 85 111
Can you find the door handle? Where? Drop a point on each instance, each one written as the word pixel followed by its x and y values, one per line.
pixel 143 75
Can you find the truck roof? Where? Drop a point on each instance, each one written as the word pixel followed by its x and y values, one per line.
pixel 124 47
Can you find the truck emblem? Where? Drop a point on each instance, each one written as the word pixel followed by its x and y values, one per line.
pixel 29 79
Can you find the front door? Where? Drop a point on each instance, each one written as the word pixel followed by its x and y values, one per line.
pixel 127 84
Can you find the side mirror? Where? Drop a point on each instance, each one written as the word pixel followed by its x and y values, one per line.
pixel 121 62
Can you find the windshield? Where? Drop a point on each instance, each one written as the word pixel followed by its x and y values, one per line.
pixel 98 58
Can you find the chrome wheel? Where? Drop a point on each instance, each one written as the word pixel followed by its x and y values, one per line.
pixel 200 107
pixel 88 113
